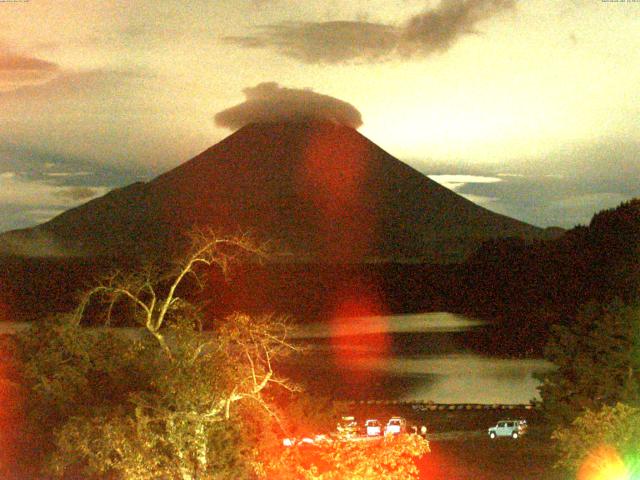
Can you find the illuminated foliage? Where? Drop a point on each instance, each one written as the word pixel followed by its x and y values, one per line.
pixel 598 360
pixel 602 444
pixel 390 458
pixel 308 414
pixel 165 400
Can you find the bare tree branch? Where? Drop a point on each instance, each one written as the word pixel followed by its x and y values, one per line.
pixel 201 375
pixel 141 288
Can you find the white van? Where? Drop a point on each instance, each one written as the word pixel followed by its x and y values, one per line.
pixel 395 425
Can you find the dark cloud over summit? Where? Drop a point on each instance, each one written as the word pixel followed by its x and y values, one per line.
pixel 270 102
pixel 433 30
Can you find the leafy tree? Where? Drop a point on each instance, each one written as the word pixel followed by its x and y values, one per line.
pixel 390 458
pixel 166 400
pixel 597 358
pixel 169 400
pixel 529 286
pixel 308 414
pixel 602 443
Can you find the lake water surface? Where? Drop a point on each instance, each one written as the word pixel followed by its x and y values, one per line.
pixel 405 357
pixel 412 357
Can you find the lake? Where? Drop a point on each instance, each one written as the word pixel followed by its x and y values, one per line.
pixel 422 357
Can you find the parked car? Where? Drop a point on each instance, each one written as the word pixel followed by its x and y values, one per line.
pixel 347 427
pixel 395 425
pixel 508 428
pixel 372 428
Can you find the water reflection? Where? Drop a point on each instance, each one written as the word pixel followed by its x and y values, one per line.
pixel 462 378
pixel 429 362
pixel 410 323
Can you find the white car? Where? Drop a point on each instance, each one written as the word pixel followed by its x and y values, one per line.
pixel 372 427
pixel 508 428
pixel 395 425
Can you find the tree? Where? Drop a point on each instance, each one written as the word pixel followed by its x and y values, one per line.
pixel 602 443
pixel 165 400
pixel 308 413
pixel 390 458
pixel 597 358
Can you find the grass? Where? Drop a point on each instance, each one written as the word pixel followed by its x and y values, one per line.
pixel 528 458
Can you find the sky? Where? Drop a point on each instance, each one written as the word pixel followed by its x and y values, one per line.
pixel 526 107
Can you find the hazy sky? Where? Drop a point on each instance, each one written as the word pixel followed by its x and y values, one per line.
pixel 528 107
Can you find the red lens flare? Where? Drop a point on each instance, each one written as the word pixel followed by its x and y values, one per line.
pixel 12 443
pixel 333 177
pixel 355 345
pixel 10 412
pixel 604 463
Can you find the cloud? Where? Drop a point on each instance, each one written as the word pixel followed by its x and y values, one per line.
pixel 41 215
pixel 19 70
pixel 433 30
pixel 458 182
pixel 595 201
pixel 270 102
pixel 77 193
pixel 455 182
pixel 438 29
pixel 67 174
pixel 52 168
pixel 565 189
pixel 325 42
pixel 25 202
pixel 72 87
pixel 119 117
pixel 16 189
pixel 18 62
pixel 36 185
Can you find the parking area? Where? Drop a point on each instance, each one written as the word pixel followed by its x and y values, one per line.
pixel 460 442
pixel 441 419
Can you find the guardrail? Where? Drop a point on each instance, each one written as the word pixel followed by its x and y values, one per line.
pixel 425 406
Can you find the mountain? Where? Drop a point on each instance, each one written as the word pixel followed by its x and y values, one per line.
pixel 317 191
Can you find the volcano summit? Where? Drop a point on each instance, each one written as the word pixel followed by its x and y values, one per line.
pixel 318 191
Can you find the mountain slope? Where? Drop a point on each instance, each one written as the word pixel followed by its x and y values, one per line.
pixel 317 190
